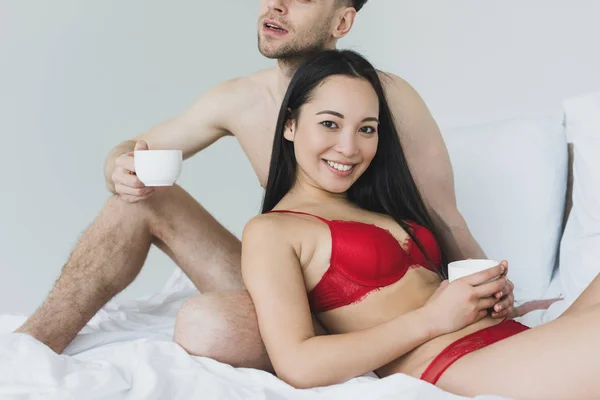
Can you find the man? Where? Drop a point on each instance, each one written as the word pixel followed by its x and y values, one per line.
pixel 221 323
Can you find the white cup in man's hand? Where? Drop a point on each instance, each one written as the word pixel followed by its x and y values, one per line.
pixel 462 268
pixel 158 167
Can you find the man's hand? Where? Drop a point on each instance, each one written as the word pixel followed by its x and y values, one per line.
pixel 125 181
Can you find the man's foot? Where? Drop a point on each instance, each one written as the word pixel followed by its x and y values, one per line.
pixel 532 306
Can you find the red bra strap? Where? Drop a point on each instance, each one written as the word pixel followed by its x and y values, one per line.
pixel 300 213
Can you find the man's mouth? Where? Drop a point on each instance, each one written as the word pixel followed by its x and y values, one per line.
pixel 274 27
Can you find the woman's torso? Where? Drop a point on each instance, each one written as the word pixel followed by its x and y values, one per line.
pixel 314 239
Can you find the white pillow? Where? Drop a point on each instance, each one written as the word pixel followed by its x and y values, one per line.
pixel 510 179
pixel 580 245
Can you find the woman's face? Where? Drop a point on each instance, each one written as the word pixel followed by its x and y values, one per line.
pixel 335 137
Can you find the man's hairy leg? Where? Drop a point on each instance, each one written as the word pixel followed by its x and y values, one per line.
pixel 223 326
pixel 112 251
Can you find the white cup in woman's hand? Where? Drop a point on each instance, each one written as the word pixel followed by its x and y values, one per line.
pixel 462 268
pixel 464 301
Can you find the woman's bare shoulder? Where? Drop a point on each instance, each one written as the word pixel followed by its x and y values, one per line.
pixel 268 242
pixel 273 228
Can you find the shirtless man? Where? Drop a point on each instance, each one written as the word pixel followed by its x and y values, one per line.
pixel 221 322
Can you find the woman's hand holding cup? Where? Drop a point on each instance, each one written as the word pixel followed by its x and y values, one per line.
pixel 465 300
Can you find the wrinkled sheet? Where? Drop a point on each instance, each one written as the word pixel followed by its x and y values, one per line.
pixel 126 352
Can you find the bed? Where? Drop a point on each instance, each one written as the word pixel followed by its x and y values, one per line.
pixel 126 351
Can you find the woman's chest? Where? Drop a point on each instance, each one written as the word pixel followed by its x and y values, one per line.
pixel 354 253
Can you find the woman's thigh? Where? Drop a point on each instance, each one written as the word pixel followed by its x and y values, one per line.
pixel 590 297
pixel 559 360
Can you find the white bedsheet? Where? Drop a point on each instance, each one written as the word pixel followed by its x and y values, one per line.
pixel 126 352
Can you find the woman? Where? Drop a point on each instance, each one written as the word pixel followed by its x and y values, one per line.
pixel 344 235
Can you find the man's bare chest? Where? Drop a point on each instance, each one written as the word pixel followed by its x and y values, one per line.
pixel 255 134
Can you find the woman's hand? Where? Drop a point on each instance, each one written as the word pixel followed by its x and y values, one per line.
pixel 465 301
pixel 505 307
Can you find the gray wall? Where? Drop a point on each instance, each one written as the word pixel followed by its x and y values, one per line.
pixel 78 77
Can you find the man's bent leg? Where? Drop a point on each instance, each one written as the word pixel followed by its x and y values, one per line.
pixel 111 253
pixel 223 326
pixel 208 253
pixel 106 259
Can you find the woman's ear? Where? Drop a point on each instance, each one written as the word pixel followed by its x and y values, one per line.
pixel 289 130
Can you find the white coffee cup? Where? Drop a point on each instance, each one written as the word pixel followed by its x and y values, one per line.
pixel 158 167
pixel 462 268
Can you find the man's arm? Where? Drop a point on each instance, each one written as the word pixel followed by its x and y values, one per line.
pixel 430 165
pixel 195 129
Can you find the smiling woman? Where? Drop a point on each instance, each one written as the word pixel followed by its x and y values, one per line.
pixel 346 122
pixel 343 146
pixel 344 209
pixel 345 236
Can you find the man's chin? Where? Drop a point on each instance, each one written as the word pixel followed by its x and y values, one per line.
pixel 269 52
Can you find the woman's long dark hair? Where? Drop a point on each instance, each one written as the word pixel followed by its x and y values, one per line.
pixel 387 186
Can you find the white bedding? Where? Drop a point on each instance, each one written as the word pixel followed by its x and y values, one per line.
pixel 126 352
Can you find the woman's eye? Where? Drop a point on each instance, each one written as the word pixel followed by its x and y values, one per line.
pixel 329 124
pixel 367 129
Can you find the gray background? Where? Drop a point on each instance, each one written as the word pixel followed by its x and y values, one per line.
pixel 77 77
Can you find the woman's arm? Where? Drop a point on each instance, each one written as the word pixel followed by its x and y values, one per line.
pixel 273 277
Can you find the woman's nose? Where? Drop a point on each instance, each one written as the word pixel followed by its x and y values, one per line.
pixel 347 144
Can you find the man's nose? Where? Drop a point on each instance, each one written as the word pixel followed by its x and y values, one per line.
pixel 277 6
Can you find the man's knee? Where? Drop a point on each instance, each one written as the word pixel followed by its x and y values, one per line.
pixel 221 326
pixel 143 213
pixel 200 323
pixel 155 212
pixel 118 208
pixel 116 205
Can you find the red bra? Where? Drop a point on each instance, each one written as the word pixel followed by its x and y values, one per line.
pixel 364 258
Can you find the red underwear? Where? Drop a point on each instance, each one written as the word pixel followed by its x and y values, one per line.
pixel 474 341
